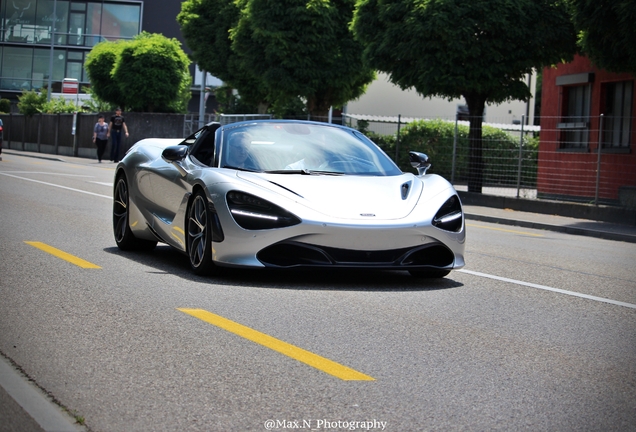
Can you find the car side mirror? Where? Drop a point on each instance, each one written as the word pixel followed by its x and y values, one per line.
pixel 419 161
pixel 174 153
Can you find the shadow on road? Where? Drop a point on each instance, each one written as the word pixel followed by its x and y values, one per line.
pixel 167 260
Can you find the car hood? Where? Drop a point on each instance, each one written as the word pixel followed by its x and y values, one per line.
pixel 346 197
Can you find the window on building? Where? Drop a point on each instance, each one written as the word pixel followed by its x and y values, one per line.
pixel 46 19
pixel 74 63
pixel 18 21
pixel 120 21
pixel 27 28
pixel 93 24
pixel 16 68
pixel 575 119
pixel 618 114
pixel 77 24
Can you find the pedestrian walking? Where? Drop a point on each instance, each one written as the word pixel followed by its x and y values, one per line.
pixel 115 127
pixel 100 137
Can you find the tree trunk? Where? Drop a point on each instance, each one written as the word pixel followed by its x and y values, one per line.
pixel 263 107
pixel 476 105
pixel 318 107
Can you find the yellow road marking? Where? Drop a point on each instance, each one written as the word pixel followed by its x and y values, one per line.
pixel 63 255
pixel 506 230
pixel 304 356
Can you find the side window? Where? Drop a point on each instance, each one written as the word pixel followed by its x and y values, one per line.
pixel 203 148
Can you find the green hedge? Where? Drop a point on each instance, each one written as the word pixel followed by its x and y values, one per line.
pixel 436 137
pixel 5 106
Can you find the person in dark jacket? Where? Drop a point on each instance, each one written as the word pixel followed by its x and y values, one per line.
pixel 117 124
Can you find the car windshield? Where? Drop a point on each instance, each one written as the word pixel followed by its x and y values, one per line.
pixel 302 148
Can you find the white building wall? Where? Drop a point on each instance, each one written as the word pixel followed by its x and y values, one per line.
pixel 386 99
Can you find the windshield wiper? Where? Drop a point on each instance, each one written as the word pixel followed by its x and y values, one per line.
pixel 240 169
pixel 304 172
pixel 335 173
pixel 288 171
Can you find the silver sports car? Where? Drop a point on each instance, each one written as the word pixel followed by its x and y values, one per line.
pixel 286 194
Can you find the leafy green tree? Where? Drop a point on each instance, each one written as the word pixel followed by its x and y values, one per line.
pixel 95 104
pixel 99 65
pixel 231 102
pixel 206 26
pixel 152 72
pixel 60 105
pixel 31 102
pixel 607 32
pixel 5 105
pixel 149 73
pixel 302 48
pixel 479 50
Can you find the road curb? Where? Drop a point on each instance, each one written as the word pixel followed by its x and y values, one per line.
pixel 607 235
pixel 31 155
pixel 33 401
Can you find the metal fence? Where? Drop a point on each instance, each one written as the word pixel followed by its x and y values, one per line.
pixel 509 151
pixel 591 161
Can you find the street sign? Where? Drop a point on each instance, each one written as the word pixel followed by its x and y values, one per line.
pixel 70 86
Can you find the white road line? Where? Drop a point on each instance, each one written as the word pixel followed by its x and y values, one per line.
pixel 56 185
pixel 46 173
pixel 547 288
pixel 48 415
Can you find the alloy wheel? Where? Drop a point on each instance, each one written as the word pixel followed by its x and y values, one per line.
pixel 120 210
pixel 197 231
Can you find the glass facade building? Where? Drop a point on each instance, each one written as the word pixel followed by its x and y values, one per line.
pixel 39 38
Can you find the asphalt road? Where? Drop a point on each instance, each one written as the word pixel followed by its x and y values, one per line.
pixel 537 333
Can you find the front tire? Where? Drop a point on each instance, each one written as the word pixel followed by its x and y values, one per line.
pixel 124 237
pixel 199 228
pixel 429 274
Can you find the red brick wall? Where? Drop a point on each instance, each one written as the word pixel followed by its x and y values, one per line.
pixel 574 174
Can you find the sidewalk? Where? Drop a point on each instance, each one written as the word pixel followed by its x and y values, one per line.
pixel 486 208
pixel 604 230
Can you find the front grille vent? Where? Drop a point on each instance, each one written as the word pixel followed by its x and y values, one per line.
pixel 295 254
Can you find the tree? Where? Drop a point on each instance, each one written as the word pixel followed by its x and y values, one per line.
pixel 206 26
pixel 100 62
pixel 607 32
pixel 479 50
pixel 148 73
pixel 31 102
pixel 275 52
pixel 152 72
pixel 302 48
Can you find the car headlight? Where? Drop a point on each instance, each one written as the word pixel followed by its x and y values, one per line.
pixel 449 216
pixel 253 213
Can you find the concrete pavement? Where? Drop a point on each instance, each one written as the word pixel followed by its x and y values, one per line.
pixel 24 407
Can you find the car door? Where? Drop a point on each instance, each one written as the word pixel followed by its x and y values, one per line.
pixel 170 187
